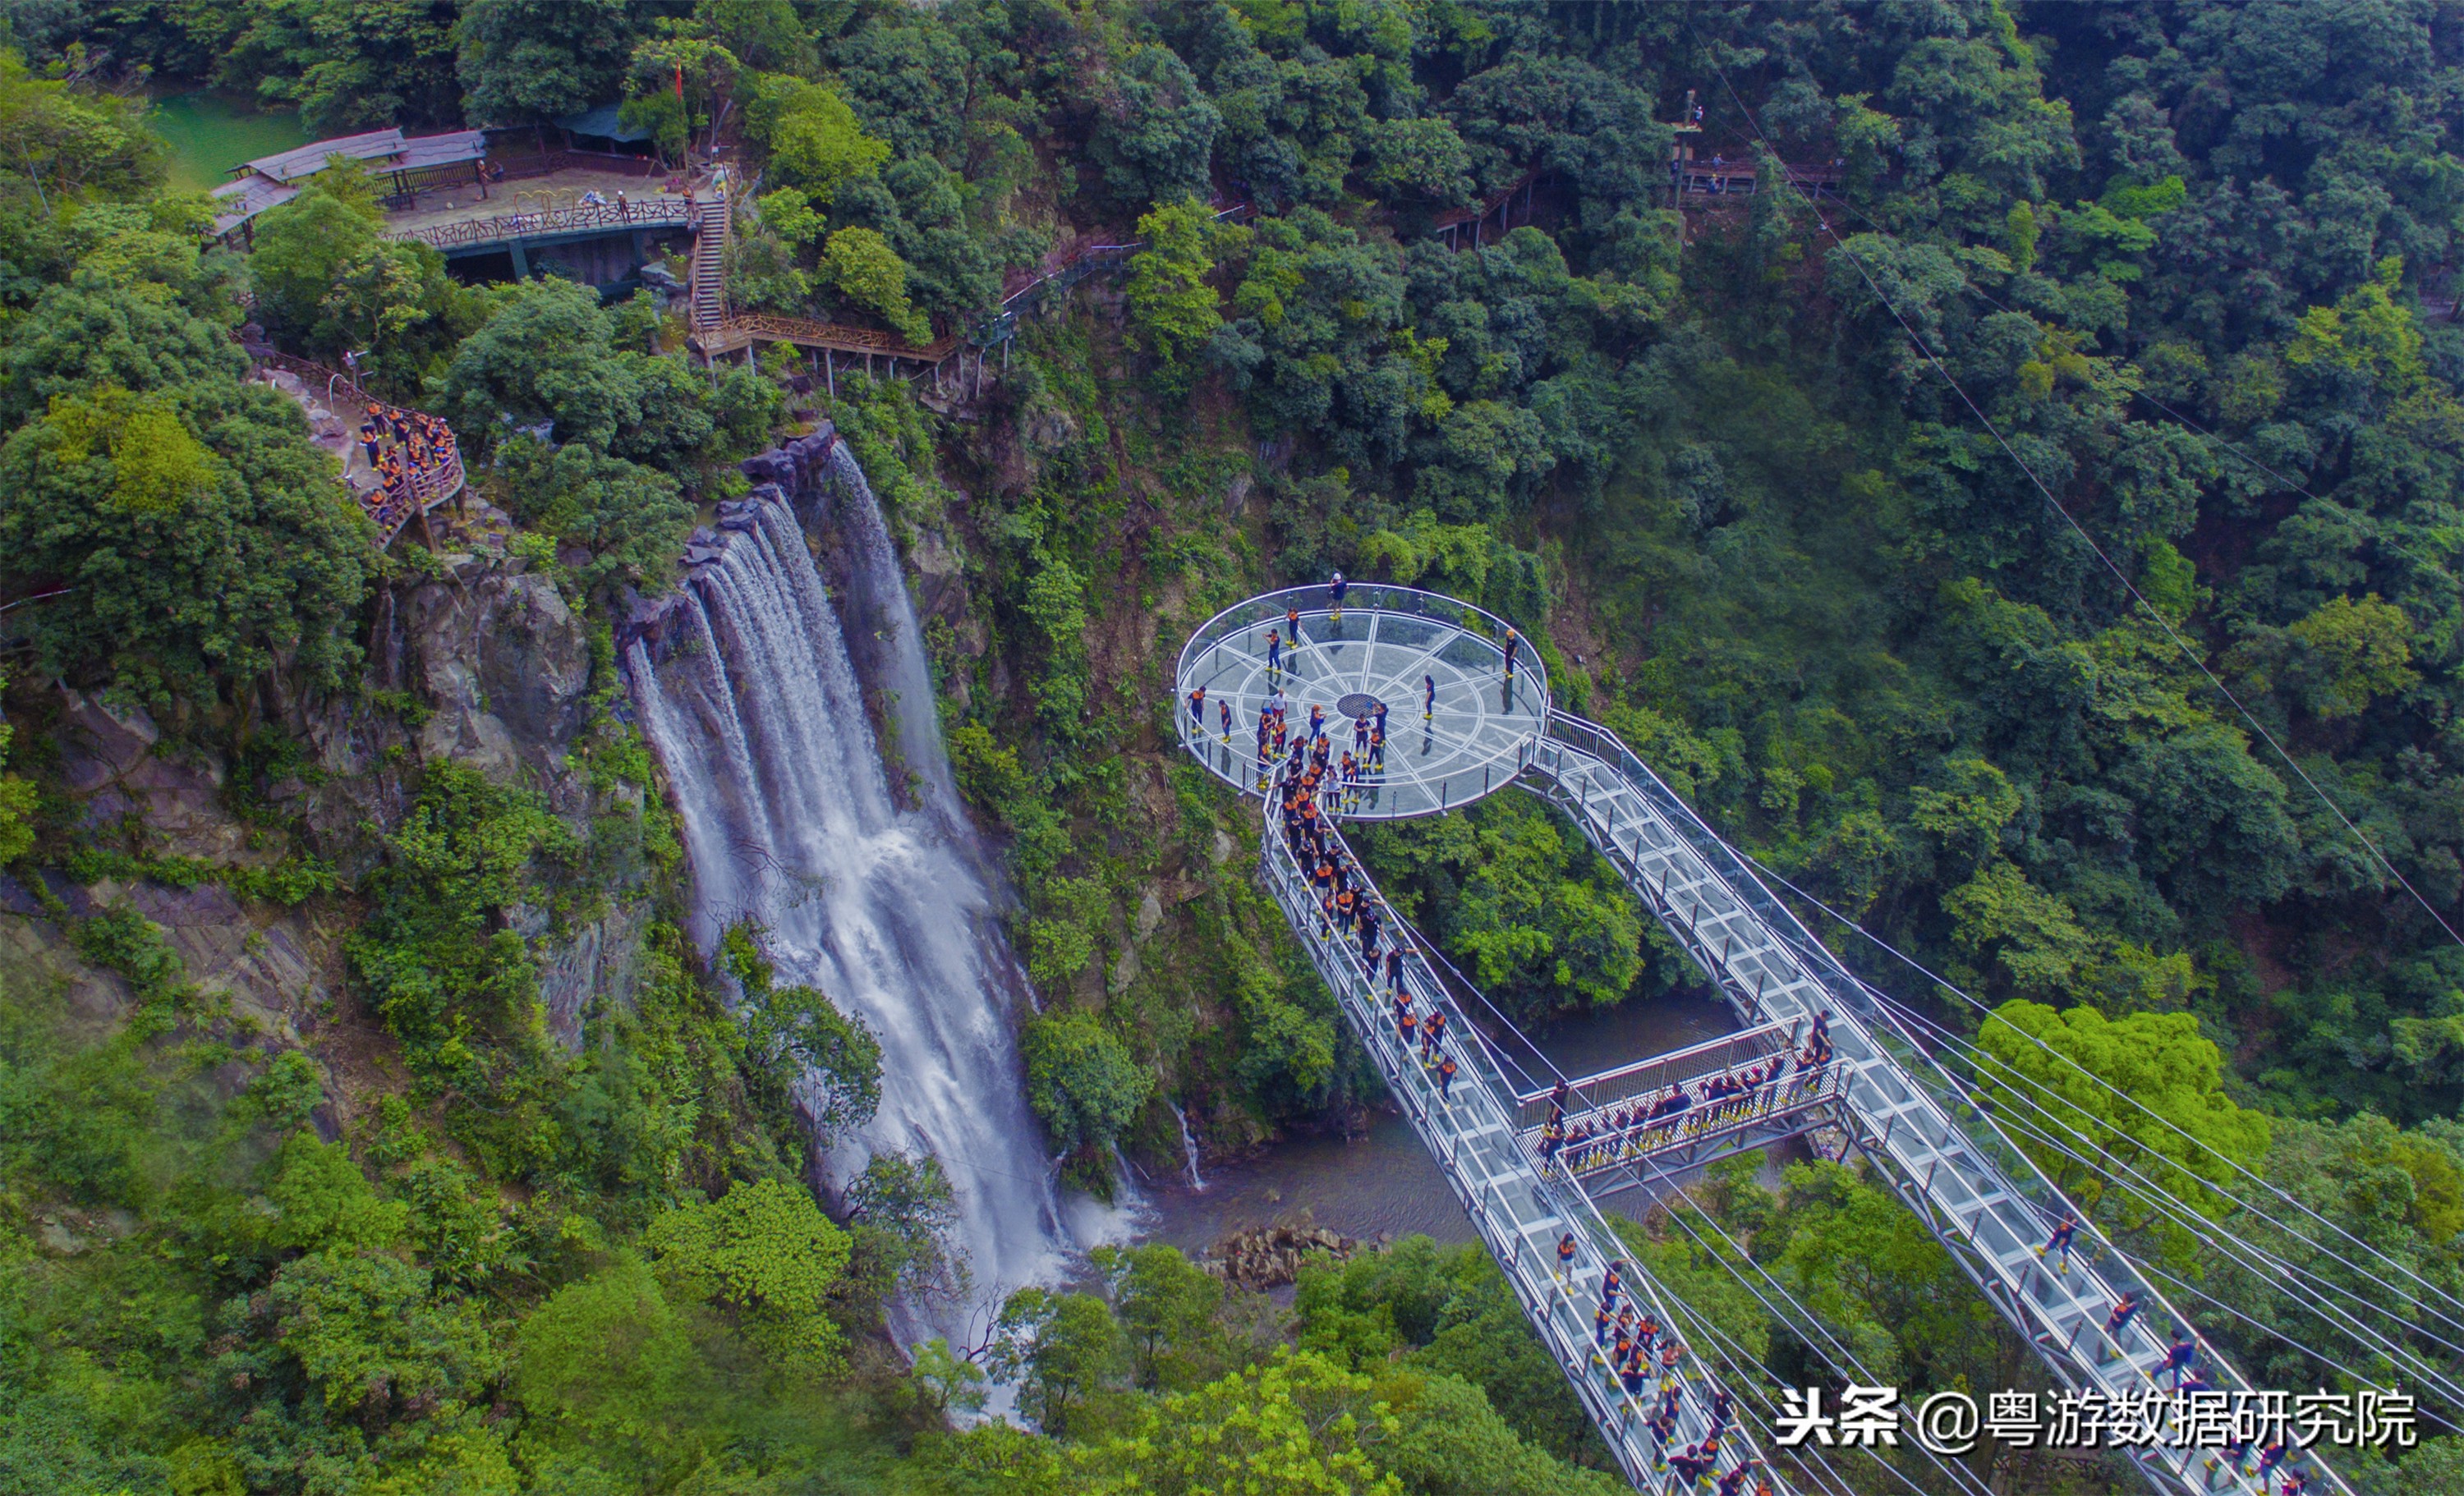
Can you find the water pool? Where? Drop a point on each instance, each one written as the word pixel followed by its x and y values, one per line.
pixel 211 133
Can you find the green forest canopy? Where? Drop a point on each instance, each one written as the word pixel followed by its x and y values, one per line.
pixel 2192 259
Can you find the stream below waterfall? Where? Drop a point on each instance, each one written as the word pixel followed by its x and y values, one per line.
pixel 1383 1182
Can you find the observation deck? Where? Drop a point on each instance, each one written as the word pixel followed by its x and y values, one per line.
pixel 1529 1165
pixel 1458 727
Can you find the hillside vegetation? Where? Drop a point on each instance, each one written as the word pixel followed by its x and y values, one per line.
pixel 2044 548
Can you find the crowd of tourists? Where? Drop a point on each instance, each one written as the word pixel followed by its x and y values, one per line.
pixel 411 454
pixel 1634 1128
pixel 1310 781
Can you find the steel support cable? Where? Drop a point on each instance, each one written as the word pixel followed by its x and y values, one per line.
pixel 1438 959
pixel 2161 624
pixel 1438 963
pixel 1854 1371
pixel 1977 1052
pixel 1669 1305
pixel 2405 1359
pixel 2253 1258
pixel 1998 304
pixel 2426 1372
pixel 2271 1259
pixel 1738 1358
pixel 2264 1183
pixel 2119 576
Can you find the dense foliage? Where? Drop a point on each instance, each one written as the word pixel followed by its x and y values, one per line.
pixel 2041 547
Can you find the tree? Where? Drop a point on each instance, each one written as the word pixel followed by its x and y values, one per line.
pixel 522 61
pixel 1155 130
pixel 815 142
pixel 325 282
pixel 2067 1075
pixel 1081 1079
pixel 869 274
pixel 365 1329
pixel 205 537
pixel 1061 1349
pixel 601 1363
pixel 1173 310
pixel 1423 159
pixel 2356 651
pixel 1166 1306
pixel 764 1253
pixel 549 353
pixel 1300 1425
pixel 346 64
pixel 632 519
pixel 67 142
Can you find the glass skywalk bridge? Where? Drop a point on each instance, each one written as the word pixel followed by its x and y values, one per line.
pixel 1978 1194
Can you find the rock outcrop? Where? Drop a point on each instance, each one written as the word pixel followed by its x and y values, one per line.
pixel 1271 1257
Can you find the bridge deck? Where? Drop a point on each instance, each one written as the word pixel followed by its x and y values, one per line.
pixel 1519 1212
pixel 1977 1193
pixel 1627 1136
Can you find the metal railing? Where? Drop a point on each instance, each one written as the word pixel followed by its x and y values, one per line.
pixel 1239 633
pixel 397 503
pixel 1793 1095
pixel 1981 1195
pixel 1678 1067
pixel 1519 1212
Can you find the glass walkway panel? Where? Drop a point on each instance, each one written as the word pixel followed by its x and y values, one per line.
pixel 1528 1166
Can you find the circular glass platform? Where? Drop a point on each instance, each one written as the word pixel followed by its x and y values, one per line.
pixel 1456 727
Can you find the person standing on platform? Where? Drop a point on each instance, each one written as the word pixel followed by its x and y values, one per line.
pixel 1198 709
pixel 1428 697
pixel 1223 715
pixel 1513 641
pixel 1334 591
pixel 2124 1310
pixel 1445 1076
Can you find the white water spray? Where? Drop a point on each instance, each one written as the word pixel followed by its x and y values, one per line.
pixel 757 714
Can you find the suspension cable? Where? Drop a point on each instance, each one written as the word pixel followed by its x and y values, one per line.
pixel 2270 1186
pixel 2426 1372
pixel 2119 576
pixel 2236 1251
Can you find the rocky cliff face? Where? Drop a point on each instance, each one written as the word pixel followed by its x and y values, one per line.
pixel 487 666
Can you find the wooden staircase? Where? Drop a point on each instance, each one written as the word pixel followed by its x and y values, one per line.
pixel 710 264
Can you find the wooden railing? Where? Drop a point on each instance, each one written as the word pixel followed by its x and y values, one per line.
pixel 651 212
pixel 841 335
pixel 394 505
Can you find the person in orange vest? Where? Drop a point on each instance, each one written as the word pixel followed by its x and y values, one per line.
pixel 1197 708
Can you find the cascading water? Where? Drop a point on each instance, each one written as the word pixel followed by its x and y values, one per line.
pixel 1188 1146
pixel 879 594
pixel 753 707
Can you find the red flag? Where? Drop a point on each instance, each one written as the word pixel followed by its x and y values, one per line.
pixel 680 83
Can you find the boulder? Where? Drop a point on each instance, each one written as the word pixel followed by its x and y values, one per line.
pixel 1271 1257
pixel 768 467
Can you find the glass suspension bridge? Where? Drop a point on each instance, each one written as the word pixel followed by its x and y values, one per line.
pixel 1530 1160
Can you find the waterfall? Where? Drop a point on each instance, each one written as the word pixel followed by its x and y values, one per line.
pixel 753 707
pixel 1188 1146
pixel 882 607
